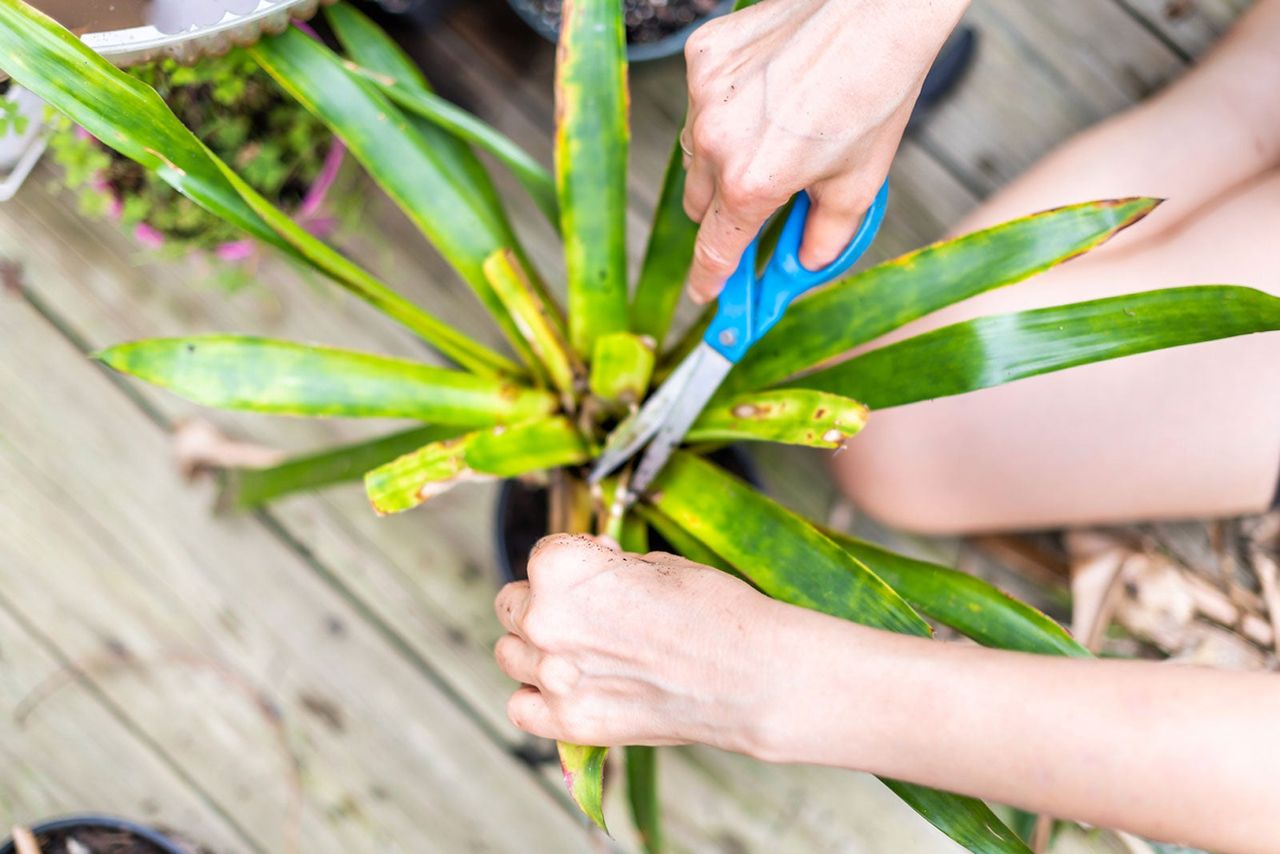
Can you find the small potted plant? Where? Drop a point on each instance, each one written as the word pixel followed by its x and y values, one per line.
pixel 94 834
pixel 542 406
pixel 244 117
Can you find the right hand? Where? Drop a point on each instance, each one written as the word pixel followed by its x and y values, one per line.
pixel 790 95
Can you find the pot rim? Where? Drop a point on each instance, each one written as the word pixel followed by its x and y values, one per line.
pixel 103 821
pixel 668 45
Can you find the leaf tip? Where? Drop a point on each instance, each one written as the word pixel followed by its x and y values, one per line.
pixel 583 769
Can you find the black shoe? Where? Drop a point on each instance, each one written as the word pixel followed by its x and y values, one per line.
pixel 948 70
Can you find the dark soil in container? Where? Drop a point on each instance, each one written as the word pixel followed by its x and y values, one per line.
pixel 647 20
pixel 523 507
pixel 95 840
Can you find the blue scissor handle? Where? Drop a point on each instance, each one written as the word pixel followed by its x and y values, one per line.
pixel 749 306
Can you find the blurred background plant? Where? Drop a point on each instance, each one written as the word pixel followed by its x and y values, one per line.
pixel 243 116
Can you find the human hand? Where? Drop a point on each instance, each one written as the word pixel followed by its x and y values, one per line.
pixel 618 648
pixel 801 94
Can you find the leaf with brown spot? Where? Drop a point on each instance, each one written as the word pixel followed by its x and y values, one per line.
pixel 788 416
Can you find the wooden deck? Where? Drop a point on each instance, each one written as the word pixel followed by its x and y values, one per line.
pixel 314 678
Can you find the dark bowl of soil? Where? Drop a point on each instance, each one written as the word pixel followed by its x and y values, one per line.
pixel 655 28
pixel 521 516
pixel 102 834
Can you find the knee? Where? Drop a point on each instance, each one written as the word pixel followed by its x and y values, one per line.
pixel 893 476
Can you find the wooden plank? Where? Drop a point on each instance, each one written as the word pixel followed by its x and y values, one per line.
pixel 1191 26
pixel 263 684
pixel 64 750
pixel 1043 72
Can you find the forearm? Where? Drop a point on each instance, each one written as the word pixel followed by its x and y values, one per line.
pixel 1170 752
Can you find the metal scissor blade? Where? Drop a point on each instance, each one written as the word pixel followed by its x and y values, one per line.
pixel 708 373
pixel 631 435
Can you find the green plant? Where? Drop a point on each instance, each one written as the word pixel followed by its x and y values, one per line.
pixel 12 119
pixel 547 404
pixel 244 118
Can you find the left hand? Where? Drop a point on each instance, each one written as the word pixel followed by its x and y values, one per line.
pixel 618 648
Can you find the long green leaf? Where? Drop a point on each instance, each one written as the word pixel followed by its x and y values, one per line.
pixel 787 558
pixel 266 375
pixel 376 52
pixel 409 480
pixel 642 762
pixel 449 117
pixel 967 604
pixel 966 820
pixel 244 489
pixel 868 304
pixel 666 258
pixel 995 350
pixel 535 320
pixel 591 167
pixel 780 552
pixel 788 416
pixel 398 158
pixel 642 794
pixel 131 118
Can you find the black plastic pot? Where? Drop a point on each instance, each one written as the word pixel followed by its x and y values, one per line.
pixel 638 52
pixel 520 519
pixel 55 827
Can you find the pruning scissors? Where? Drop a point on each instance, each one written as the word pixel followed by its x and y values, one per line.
pixel 749 306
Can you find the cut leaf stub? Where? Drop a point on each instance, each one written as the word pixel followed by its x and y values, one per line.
pixel 501 452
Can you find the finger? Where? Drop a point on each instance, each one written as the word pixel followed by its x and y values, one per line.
pixel 517 658
pixel 511 604
pixel 528 710
pixel 562 559
pixel 699 187
pixel 833 219
pixel 724 234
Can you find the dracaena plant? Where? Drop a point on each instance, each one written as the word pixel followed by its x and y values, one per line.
pixel 545 404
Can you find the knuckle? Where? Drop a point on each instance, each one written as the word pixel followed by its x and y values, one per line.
pixel 708 138
pixel 549 550
pixel 749 189
pixel 710 256
pixel 540 629
pixel 700 46
pixel 556 675
pixel 504 651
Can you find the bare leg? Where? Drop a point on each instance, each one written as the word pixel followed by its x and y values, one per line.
pixel 1180 433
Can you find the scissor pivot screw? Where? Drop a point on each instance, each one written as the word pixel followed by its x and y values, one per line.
pixel 728 337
